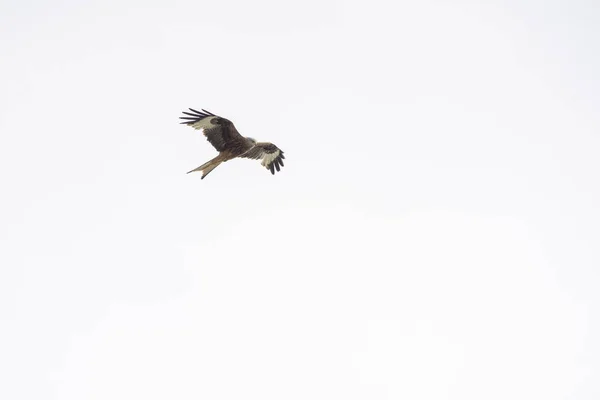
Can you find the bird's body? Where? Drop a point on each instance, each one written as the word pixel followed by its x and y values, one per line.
pixel 221 133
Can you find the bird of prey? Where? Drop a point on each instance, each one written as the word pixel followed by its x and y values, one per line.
pixel 221 133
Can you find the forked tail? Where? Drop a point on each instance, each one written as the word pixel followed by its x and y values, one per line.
pixel 207 167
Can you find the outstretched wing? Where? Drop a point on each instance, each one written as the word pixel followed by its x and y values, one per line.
pixel 271 155
pixel 220 132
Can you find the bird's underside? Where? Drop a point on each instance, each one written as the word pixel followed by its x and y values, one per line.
pixel 221 133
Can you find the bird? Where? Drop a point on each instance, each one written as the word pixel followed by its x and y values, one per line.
pixel 221 133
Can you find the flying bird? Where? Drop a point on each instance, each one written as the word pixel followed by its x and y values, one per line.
pixel 221 133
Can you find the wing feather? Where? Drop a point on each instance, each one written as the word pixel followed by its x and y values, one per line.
pixel 270 155
pixel 220 132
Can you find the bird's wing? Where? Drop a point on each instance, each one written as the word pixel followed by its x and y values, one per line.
pixel 222 136
pixel 271 155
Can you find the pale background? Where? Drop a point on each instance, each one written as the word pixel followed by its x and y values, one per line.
pixel 433 235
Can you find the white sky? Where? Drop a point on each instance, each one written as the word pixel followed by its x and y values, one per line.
pixel 433 235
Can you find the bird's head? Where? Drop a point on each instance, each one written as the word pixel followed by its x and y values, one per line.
pixel 252 140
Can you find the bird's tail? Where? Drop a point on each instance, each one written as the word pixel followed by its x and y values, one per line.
pixel 207 167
